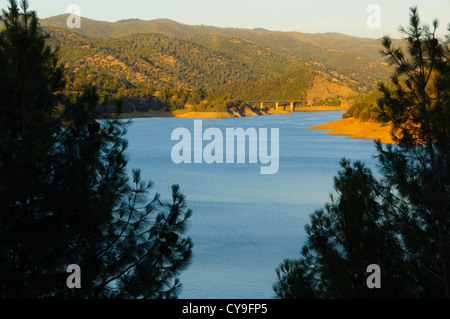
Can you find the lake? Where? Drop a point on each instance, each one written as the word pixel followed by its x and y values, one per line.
pixel 244 224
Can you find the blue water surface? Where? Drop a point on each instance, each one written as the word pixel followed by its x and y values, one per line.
pixel 244 224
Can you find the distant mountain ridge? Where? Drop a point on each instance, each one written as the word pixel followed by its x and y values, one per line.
pixel 175 29
pixel 163 52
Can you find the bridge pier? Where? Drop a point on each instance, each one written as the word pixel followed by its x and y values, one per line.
pixel 278 103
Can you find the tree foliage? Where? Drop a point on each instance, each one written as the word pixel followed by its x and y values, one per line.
pixel 345 237
pixel 418 169
pixel 65 197
pixel 402 221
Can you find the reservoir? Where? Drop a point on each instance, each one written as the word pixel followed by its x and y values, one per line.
pixel 245 223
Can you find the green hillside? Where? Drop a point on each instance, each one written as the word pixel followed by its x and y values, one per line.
pixel 295 84
pixel 354 61
pixel 132 58
pixel 365 107
pixel 151 60
pixel 166 27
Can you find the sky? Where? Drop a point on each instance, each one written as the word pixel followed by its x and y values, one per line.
pixel 311 16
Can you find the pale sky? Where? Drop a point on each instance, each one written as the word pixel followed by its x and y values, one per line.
pixel 311 16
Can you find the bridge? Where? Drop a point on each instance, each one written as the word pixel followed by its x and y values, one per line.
pixel 277 103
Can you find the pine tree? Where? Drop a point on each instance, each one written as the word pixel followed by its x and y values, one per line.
pixel 345 237
pixel 402 222
pixel 416 171
pixel 65 197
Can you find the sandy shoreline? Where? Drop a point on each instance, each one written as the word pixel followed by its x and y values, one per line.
pixel 355 128
pixel 205 115
pixel 352 127
pixel 210 115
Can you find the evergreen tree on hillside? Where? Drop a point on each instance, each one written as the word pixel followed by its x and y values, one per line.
pixel 65 197
pixel 402 222
pixel 417 170
pixel 345 237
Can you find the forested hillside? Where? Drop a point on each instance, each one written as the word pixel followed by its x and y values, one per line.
pixel 133 58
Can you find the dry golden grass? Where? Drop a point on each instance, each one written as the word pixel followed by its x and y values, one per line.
pixel 204 115
pixel 320 108
pixel 352 127
pixel 355 128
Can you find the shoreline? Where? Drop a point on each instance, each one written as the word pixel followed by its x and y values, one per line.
pixel 356 128
pixel 212 114
pixel 195 114
pixel 352 127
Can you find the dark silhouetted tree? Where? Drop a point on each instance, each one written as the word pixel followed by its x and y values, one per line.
pixel 402 222
pixel 417 170
pixel 345 237
pixel 65 197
